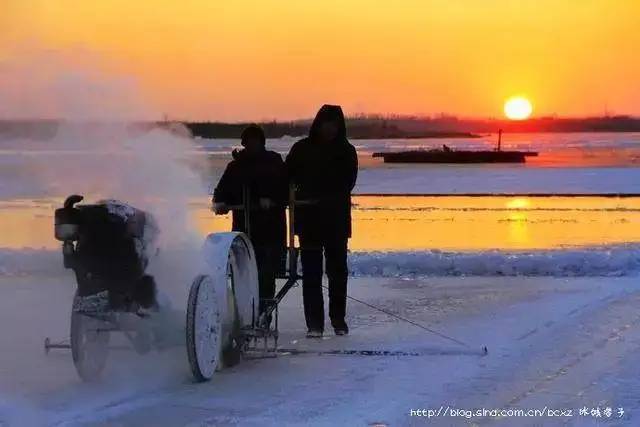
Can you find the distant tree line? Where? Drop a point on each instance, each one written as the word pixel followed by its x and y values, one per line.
pixel 373 126
pixel 357 128
pixel 361 127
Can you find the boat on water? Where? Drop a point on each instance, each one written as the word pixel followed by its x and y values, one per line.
pixel 448 155
pixel 455 156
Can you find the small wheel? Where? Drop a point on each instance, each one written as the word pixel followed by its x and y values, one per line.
pixel 203 328
pixel 89 346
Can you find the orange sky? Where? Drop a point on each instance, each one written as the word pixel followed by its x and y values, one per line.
pixel 235 60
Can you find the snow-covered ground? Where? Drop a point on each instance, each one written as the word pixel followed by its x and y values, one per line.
pixel 559 343
pixel 603 261
pixel 607 261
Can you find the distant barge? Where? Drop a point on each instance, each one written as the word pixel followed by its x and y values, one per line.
pixel 455 156
pixel 447 155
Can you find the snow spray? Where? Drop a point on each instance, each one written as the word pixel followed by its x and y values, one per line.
pixel 99 152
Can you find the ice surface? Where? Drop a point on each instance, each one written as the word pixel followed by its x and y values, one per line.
pixel 561 343
pixel 569 163
pixel 453 179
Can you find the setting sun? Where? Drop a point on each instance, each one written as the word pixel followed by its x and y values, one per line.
pixel 517 108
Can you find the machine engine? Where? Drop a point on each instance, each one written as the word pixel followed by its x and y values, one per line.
pixel 108 245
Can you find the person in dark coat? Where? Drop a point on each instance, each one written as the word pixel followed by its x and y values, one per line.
pixel 263 174
pixel 324 167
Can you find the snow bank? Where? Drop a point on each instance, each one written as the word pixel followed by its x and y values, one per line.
pixel 22 262
pixel 600 261
pixel 621 260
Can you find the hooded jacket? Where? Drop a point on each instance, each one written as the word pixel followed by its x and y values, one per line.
pixel 324 172
pixel 264 174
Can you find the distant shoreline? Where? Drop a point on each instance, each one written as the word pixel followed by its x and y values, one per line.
pixel 422 128
pixel 361 127
pixel 355 130
pixel 428 135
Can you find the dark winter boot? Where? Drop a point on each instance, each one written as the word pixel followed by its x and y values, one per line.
pixel 314 333
pixel 340 327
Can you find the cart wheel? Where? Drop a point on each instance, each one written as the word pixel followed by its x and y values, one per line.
pixel 89 346
pixel 203 328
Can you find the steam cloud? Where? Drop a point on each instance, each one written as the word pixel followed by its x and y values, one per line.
pixel 98 151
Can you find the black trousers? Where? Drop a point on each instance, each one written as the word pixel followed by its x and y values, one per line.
pixel 335 253
pixel 268 259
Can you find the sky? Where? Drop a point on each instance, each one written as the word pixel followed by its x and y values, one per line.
pixel 276 59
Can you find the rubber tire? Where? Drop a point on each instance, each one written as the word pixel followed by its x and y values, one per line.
pixel 203 365
pixel 89 358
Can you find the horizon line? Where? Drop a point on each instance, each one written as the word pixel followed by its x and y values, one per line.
pixel 355 116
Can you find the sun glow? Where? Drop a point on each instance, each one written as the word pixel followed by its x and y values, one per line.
pixel 517 108
pixel 518 203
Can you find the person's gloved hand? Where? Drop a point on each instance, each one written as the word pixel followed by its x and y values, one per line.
pixel 220 208
pixel 68 248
